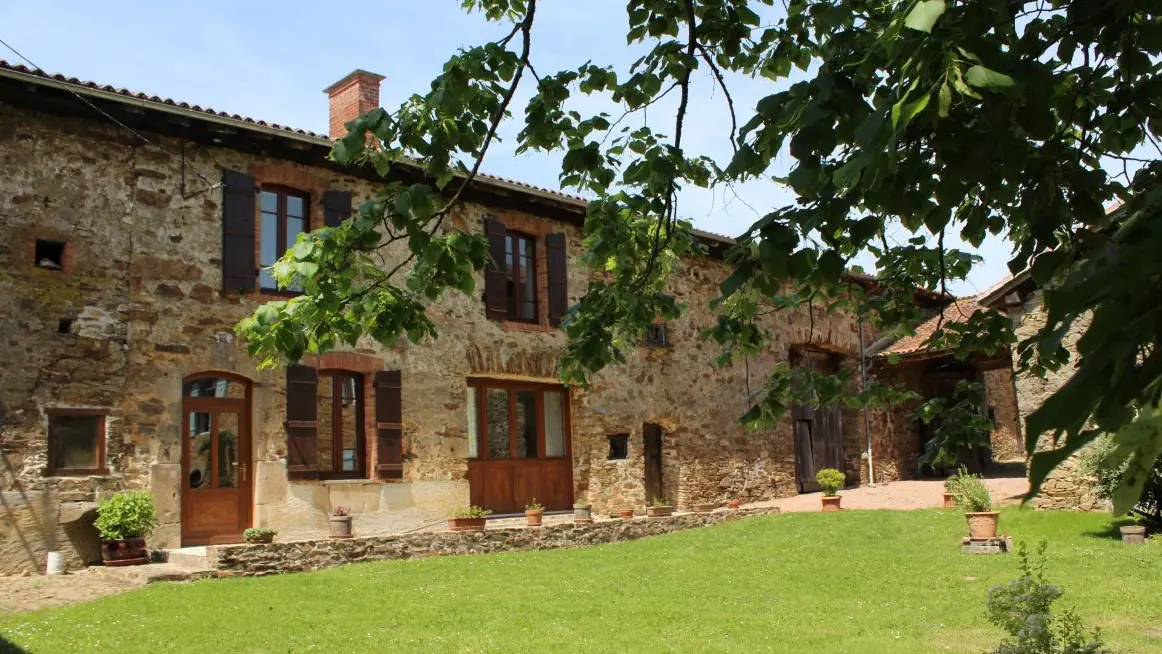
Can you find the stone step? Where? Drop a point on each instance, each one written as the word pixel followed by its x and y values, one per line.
pixel 193 558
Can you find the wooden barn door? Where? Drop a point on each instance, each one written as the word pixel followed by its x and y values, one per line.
pixel 652 436
pixel 818 430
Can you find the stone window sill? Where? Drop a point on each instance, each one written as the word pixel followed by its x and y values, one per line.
pixel 346 482
pixel 534 327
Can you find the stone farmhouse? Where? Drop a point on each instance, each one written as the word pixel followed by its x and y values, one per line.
pixel 135 232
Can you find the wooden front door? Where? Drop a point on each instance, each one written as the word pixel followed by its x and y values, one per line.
pixel 652 437
pixel 818 430
pixel 216 477
pixel 520 450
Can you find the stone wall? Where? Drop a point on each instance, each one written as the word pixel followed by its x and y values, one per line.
pixel 1067 486
pixel 303 556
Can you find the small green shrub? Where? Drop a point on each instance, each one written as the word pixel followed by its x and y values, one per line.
pixel 534 506
pixel 1023 608
pixel 950 485
pixel 470 512
pixel 971 493
pixel 830 480
pixel 1102 462
pixel 126 515
pixel 258 534
pixel 658 502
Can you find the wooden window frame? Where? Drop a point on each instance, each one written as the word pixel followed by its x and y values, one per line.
pixel 657 336
pixel 281 246
pixel 518 300
pixel 102 436
pixel 481 387
pixel 336 375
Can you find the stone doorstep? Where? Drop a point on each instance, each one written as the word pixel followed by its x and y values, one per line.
pixel 192 558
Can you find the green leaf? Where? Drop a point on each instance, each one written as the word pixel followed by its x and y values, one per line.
pixel 902 115
pixel 945 99
pixel 986 78
pixel 923 16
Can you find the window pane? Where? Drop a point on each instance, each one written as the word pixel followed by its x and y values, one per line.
pixel 473 432
pixel 326 412
pixel 75 446
pixel 294 206
pixel 554 423
pixel 269 235
pixel 294 226
pixel 510 276
pixel 498 423
pixel 528 282
pixel 348 437
pixel 199 444
pixel 213 387
pixel 269 202
pixel 526 424
pixel 227 450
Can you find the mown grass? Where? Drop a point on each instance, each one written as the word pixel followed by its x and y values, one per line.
pixel 860 581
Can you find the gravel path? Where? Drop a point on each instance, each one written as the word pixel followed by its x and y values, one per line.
pixel 912 494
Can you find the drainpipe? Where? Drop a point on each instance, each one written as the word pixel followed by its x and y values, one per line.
pixel 871 475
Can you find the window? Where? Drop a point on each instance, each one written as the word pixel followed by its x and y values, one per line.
pixel 49 255
pixel 657 335
pixel 76 442
pixel 516 420
pixel 283 218
pixel 618 446
pixel 521 276
pixel 340 415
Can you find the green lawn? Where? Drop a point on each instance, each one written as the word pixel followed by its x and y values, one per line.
pixel 860 581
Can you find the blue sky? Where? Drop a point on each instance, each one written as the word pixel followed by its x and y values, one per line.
pixel 271 60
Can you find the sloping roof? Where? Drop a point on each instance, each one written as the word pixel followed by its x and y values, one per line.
pixel 960 310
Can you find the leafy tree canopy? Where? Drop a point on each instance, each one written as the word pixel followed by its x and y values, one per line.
pixel 954 117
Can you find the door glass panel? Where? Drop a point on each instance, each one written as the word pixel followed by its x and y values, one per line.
pixel 526 424
pixel 554 424
pixel 473 432
pixel 227 450
pixel 326 443
pixel 349 389
pixel 498 423
pixel 200 443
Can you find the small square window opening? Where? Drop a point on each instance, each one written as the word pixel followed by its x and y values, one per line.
pixel 49 255
pixel 76 442
pixel 618 446
pixel 64 326
pixel 657 335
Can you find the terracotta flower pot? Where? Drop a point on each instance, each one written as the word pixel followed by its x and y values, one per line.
pixel 949 500
pixel 1133 534
pixel 582 515
pixel 131 551
pixel 831 502
pixel 733 504
pixel 535 517
pixel 625 513
pixel 659 511
pixel 982 525
pixel 466 524
pixel 341 526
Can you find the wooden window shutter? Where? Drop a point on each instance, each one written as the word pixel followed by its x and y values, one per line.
pixel 389 424
pixel 558 278
pixel 239 272
pixel 495 286
pixel 336 207
pixel 302 426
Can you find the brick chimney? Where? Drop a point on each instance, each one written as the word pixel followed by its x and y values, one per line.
pixel 351 97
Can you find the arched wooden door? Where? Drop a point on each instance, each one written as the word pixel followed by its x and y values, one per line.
pixel 217 483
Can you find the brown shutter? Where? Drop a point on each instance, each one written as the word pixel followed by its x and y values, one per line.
pixel 389 424
pixel 495 287
pixel 239 271
pixel 302 426
pixel 336 207
pixel 558 278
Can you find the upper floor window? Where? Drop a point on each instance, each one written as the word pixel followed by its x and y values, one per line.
pixel 76 442
pixel 521 276
pixel 283 217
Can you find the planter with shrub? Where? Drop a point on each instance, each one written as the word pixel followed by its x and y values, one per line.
pixel 830 481
pixel 471 518
pixel 259 535
pixel 534 513
pixel 972 495
pixel 659 509
pixel 124 521
pixel 1133 534
pixel 949 493
pixel 341 520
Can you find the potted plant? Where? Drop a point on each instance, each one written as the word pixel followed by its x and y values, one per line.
pixel 256 535
pixel 341 522
pixel 659 509
pixel 949 493
pixel 972 495
pixel 1133 534
pixel 830 480
pixel 124 521
pixel 582 512
pixel 733 504
pixel 625 512
pixel 468 519
pixel 534 513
